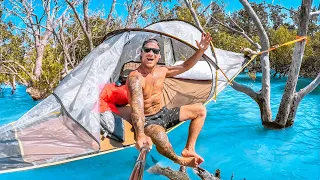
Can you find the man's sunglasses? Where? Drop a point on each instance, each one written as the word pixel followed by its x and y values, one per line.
pixel 155 51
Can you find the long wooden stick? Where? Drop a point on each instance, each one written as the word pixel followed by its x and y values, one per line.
pixel 137 172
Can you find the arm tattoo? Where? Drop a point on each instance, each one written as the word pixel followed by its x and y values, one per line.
pixel 137 104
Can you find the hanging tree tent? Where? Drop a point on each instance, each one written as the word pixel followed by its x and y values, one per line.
pixel 66 125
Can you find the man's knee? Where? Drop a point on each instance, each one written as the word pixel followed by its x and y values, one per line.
pixel 154 131
pixel 201 110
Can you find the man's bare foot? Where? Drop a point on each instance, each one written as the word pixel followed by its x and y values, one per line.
pixel 187 161
pixel 190 153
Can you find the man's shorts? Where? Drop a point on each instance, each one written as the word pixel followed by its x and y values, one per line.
pixel 166 118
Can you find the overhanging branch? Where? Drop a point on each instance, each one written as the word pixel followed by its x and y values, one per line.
pixel 241 31
pixel 20 66
pixel 245 89
pixel 310 87
pixel 315 13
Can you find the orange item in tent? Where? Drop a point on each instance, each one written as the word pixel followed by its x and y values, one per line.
pixel 111 96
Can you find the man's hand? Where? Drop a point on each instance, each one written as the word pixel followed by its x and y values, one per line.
pixel 205 41
pixel 143 141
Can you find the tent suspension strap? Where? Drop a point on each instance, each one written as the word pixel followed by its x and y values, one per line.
pixel 268 50
pixel 255 55
pixel 216 87
pixel 299 38
pixel 216 80
pixel 214 55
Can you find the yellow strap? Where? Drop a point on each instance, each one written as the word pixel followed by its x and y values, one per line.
pixel 271 49
pixel 216 87
pixel 214 54
pixel 284 44
pixel 251 59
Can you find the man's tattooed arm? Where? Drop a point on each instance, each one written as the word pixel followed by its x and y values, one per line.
pixel 137 104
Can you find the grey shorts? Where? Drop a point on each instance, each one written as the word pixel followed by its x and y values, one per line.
pixel 166 118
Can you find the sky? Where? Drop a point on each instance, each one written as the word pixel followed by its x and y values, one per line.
pixel 231 5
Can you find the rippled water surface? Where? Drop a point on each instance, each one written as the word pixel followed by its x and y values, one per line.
pixel 232 140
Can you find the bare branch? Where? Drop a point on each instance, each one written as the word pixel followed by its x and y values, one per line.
pixel 194 14
pixel 315 13
pixel 205 9
pixel 9 69
pixel 20 66
pixel 85 15
pixel 13 12
pixel 241 31
pixel 261 32
pixel 24 29
pixel 135 9
pixel 110 15
pixel 310 87
pixel 28 13
pixel 11 73
pixel 85 28
pixel 281 7
pixel 245 89
pixel 45 27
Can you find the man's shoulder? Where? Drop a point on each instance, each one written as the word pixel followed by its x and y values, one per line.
pixel 134 76
pixel 134 73
pixel 162 68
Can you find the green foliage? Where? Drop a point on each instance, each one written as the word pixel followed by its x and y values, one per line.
pixel 230 42
pixel 51 69
pixel 243 19
pixel 280 59
pixel 12 49
pixel 311 62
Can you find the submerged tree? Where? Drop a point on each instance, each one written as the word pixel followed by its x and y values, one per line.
pixel 291 98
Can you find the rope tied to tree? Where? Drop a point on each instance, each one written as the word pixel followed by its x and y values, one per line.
pixel 298 39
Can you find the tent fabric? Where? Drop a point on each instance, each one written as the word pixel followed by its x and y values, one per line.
pixel 200 71
pixel 67 123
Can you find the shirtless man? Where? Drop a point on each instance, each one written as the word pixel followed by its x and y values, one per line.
pixel 149 119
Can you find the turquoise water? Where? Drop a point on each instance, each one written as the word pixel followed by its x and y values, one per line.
pixel 232 140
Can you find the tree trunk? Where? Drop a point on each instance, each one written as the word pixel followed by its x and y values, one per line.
pixel 110 16
pixel 293 109
pixel 265 111
pixel 290 89
pixel 13 84
pixel 194 14
pixel 298 97
pixel 264 97
pixel 38 64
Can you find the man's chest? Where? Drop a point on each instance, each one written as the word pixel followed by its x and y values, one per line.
pixel 154 83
